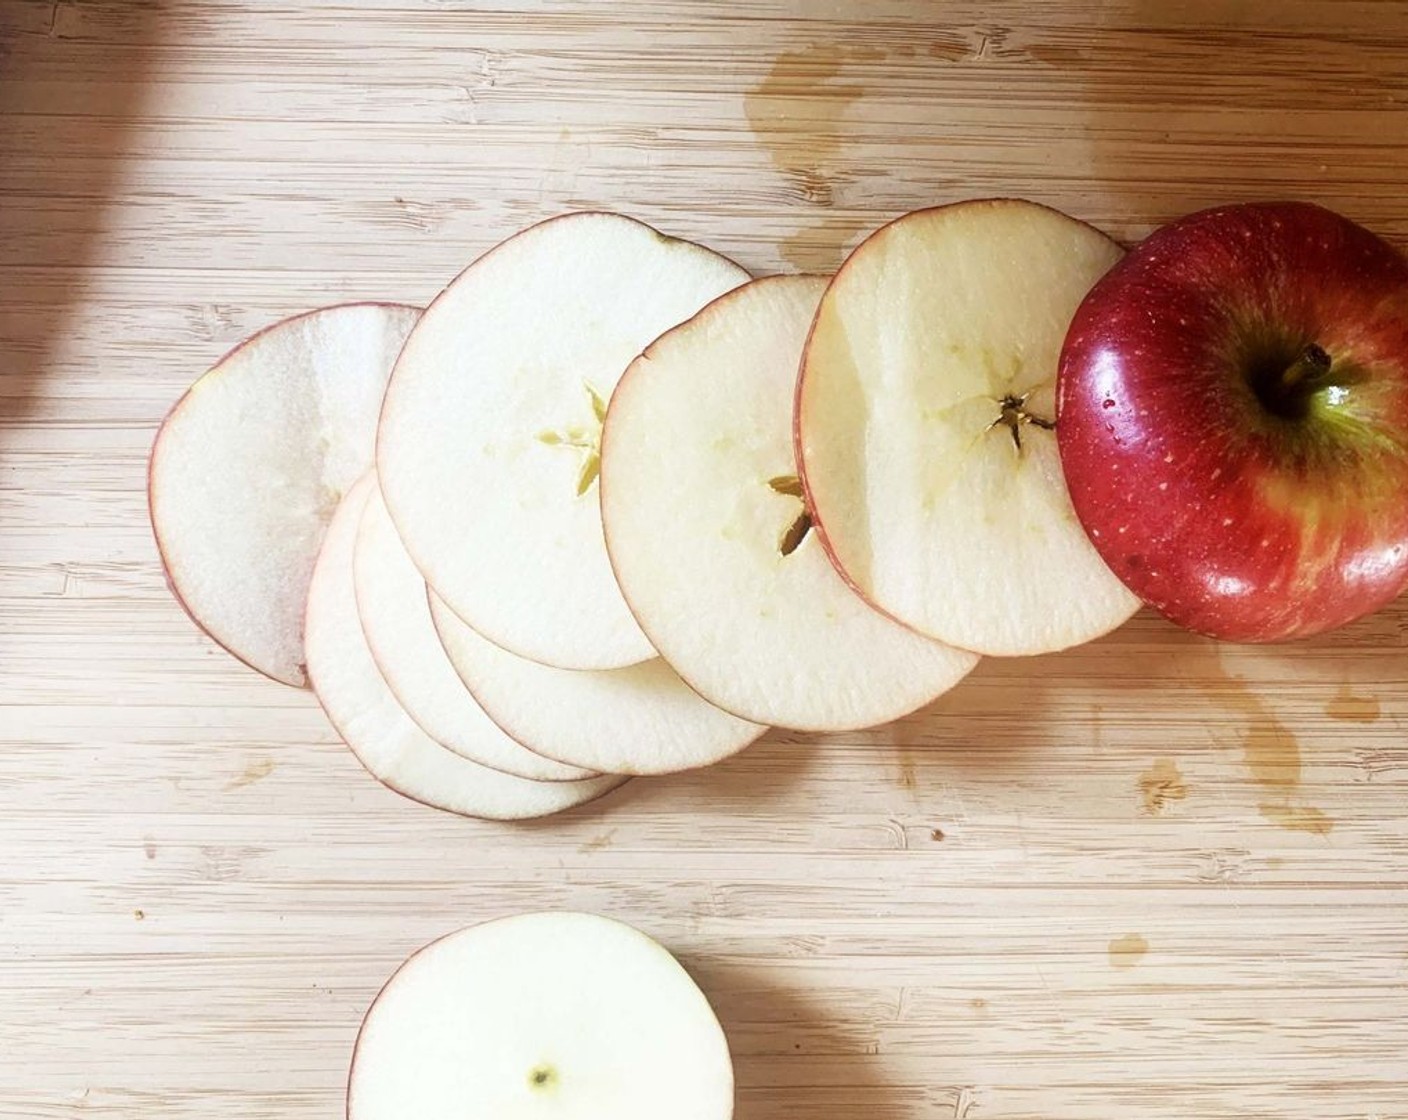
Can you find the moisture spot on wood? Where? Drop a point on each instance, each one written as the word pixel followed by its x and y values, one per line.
pixel 1272 755
pixel 797 112
pixel 599 843
pixel 149 848
pixel 257 769
pixel 1127 951
pixel 909 775
pixel 824 243
pixel 1298 818
pixel 1160 784
pixel 1352 708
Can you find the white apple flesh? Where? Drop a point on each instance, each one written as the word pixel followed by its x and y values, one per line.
pixel 249 465
pixel 708 534
pixel 488 446
pixel 638 720
pixel 395 614
pixel 924 421
pixel 391 745
pixel 545 1016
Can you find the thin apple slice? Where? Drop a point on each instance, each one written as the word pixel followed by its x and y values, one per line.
pixel 638 720
pixel 554 1014
pixel 924 416
pixel 395 613
pixel 709 538
pixel 384 738
pixel 488 446
pixel 250 463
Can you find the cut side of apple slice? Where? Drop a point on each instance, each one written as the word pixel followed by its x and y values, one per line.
pixel 384 738
pixel 395 613
pixel 249 465
pixel 925 411
pixel 638 720
pixel 555 1014
pixel 708 533
pixel 488 448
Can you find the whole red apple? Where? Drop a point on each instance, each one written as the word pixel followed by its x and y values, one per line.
pixel 1232 416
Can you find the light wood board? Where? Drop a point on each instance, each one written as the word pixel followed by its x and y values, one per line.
pixel 1149 878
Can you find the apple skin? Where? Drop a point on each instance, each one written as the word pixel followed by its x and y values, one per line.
pixel 1238 499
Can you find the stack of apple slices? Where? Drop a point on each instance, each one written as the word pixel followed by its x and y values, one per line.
pixel 581 520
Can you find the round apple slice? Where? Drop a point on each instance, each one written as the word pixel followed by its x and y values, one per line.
pixel 395 613
pixel 488 449
pixel 384 738
pixel 709 538
pixel 249 465
pixel 924 427
pixel 638 720
pixel 555 1014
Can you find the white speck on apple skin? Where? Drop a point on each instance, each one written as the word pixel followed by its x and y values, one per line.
pixel 1226 521
pixel 1123 529
pixel 1169 457
pixel 1163 485
pixel 1217 472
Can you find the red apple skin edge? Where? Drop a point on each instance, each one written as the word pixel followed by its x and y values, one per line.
pixel 156 449
pixel 1232 417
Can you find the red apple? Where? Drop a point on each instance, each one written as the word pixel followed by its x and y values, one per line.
pixel 1232 416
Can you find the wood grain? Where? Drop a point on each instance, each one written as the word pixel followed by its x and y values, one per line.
pixel 1149 878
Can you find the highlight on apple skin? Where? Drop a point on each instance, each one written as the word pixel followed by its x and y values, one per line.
pixel 1232 418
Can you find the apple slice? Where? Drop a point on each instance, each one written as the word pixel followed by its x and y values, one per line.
pixel 250 463
pixel 384 738
pixel 924 427
pixel 554 1014
pixel 638 720
pixel 488 446
pixel 395 614
pixel 709 538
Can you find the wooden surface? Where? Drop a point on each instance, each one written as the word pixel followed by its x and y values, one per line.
pixel 1150 878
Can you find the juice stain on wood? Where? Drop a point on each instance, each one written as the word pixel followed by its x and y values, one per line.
pixel 909 776
pixel 1160 784
pixel 797 112
pixel 1352 708
pixel 1272 755
pixel 256 770
pixel 1127 951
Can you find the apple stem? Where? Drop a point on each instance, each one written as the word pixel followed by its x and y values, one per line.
pixel 1310 366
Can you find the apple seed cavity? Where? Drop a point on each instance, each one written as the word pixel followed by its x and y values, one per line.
pixel 542 1079
pixel 796 533
pixel 583 439
pixel 1013 414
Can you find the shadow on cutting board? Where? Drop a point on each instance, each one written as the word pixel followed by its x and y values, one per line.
pixel 72 82
pixel 797 1059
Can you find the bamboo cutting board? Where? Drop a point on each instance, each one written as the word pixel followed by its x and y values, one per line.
pixel 1153 877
